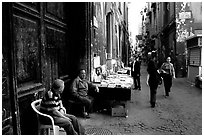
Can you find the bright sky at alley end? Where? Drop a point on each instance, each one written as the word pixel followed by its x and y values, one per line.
pixel 135 18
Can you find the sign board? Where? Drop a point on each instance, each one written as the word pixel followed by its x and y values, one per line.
pixel 95 22
pixel 198 32
pixel 96 61
pixel 185 15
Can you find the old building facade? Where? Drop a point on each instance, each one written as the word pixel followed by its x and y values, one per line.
pixel 110 34
pixel 45 41
pixel 166 26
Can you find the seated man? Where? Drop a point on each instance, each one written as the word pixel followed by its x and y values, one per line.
pixel 81 90
pixel 52 105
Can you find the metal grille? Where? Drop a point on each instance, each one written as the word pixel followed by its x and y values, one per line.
pixel 98 131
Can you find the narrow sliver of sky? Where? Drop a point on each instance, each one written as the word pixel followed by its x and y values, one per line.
pixel 135 18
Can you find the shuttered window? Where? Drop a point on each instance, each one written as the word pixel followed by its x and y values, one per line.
pixel 195 56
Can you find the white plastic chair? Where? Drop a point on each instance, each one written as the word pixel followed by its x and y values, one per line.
pixel 36 106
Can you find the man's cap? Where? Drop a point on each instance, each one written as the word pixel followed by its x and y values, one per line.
pixel 57 84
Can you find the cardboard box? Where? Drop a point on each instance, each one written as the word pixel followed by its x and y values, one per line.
pixel 119 111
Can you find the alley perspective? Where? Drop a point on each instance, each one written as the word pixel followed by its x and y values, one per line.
pixel 102 68
pixel 180 114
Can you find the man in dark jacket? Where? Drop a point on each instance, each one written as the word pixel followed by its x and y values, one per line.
pixel 81 91
pixel 136 73
pixel 153 78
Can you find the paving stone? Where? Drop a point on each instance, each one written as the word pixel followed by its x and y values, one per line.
pixel 180 114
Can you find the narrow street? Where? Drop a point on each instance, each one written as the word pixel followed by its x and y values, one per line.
pixel 47 41
pixel 179 114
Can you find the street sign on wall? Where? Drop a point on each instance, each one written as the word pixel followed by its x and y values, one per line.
pixel 184 15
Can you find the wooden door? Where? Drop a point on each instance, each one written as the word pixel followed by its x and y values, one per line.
pixel 56 48
pixel 9 98
pixel 38 45
pixel 46 41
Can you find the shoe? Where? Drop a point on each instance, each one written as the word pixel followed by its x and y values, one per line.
pixel 86 115
pixel 139 89
pixel 166 96
pixel 152 105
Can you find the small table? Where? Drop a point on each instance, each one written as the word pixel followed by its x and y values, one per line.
pixel 117 93
pixel 117 88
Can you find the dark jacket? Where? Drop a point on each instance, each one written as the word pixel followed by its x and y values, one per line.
pixel 81 87
pixel 136 67
pixel 154 77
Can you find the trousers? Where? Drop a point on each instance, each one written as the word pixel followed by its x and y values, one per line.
pixel 137 81
pixel 86 101
pixel 167 84
pixel 153 92
pixel 72 127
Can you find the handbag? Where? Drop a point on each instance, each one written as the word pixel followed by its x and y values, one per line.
pixel 159 78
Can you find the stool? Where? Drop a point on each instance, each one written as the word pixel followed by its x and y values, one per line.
pixel 75 108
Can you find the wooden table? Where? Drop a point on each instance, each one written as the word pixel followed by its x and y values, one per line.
pixel 116 89
pixel 116 93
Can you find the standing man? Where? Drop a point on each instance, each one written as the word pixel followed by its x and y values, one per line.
pixel 136 73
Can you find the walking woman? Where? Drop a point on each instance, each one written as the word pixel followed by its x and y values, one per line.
pixel 167 71
pixel 153 78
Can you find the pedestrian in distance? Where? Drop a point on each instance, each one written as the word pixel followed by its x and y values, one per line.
pixel 153 78
pixel 52 105
pixel 135 69
pixel 167 72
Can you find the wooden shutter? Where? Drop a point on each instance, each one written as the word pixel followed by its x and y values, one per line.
pixel 195 56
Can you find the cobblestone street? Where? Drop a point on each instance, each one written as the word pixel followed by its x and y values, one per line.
pixel 79 56
pixel 179 114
